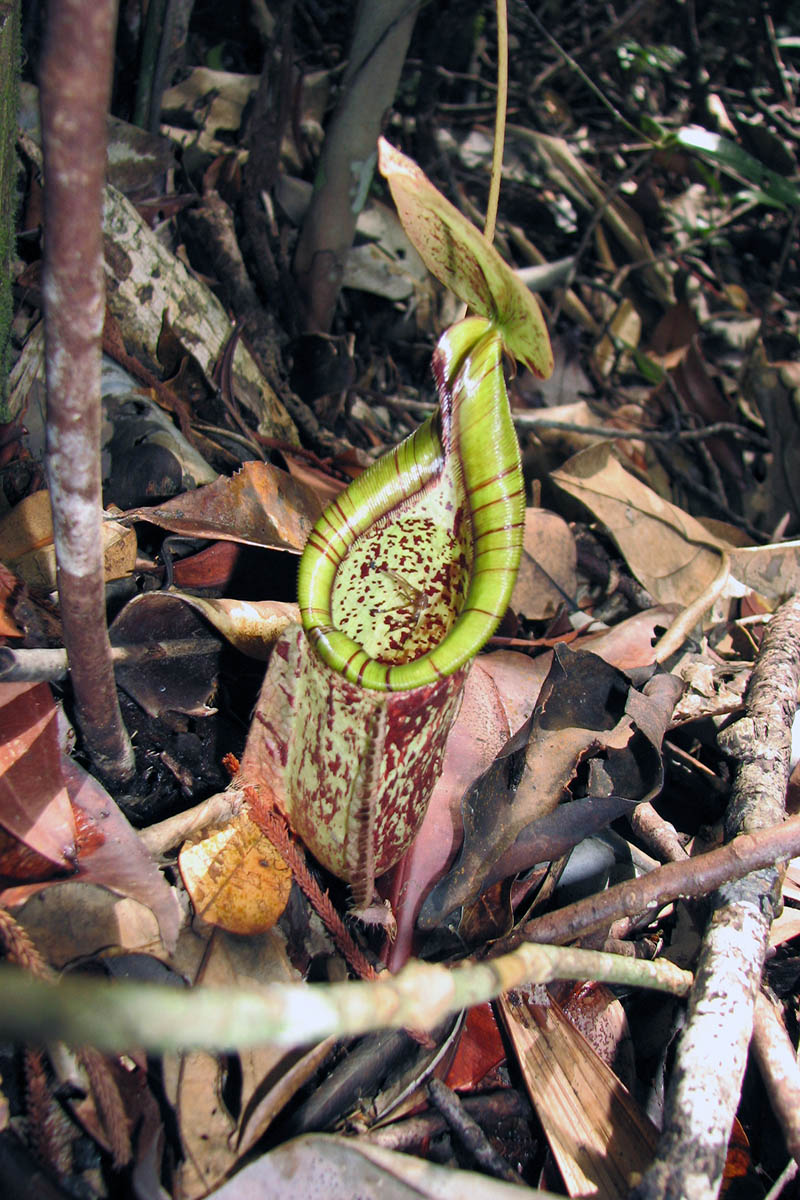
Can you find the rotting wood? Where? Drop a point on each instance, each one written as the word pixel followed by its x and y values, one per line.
pixel 145 282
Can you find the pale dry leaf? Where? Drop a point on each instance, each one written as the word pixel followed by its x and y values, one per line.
pixel 72 922
pixel 668 550
pixel 546 578
pixel 26 543
pixel 252 626
pixel 599 1136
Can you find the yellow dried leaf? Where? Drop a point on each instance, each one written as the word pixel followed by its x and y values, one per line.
pixel 235 877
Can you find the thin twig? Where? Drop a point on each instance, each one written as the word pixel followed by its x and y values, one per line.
pixel 540 420
pixel 469 1133
pixel 22 665
pixel 777 1062
pixel 677 880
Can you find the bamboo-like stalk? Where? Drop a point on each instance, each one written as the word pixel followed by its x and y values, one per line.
pixel 382 33
pixel 123 1016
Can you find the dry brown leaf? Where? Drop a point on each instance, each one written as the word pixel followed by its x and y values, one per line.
pixel 547 571
pixel 206 1127
pixel 195 1083
pixel 599 1136
pixel 669 552
pixel 518 679
pixel 774 388
pixel 773 571
pixel 260 505
pixel 235 877
pixel 26 543
pixel 630 644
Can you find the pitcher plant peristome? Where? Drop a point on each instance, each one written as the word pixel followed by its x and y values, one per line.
pixel 463 565
pixel 409 571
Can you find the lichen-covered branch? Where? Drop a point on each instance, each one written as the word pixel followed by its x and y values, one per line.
pixel 706 1080
pixel 75 87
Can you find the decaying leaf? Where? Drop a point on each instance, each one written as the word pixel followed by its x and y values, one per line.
pixel 546 578
pixel 253 627
pixel 169 632
pixel 669 551
pixel 323 1166
pixel 568 171
pixel 34 802
pixel 260 505
pixel 167 627
pixel 26 543
pixel 599 1136
pixel 624 327
pixel 214 1094
pixel 771 571
pixel 519 812
pixel 109 853
pixel 235 877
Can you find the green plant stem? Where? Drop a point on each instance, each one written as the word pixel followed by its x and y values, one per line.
pixel 499 121
pixel 123 1016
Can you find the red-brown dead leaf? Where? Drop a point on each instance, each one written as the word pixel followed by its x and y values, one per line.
pixel 34 805
pixel 108 853
pixel 480 1049
pixel 260 505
